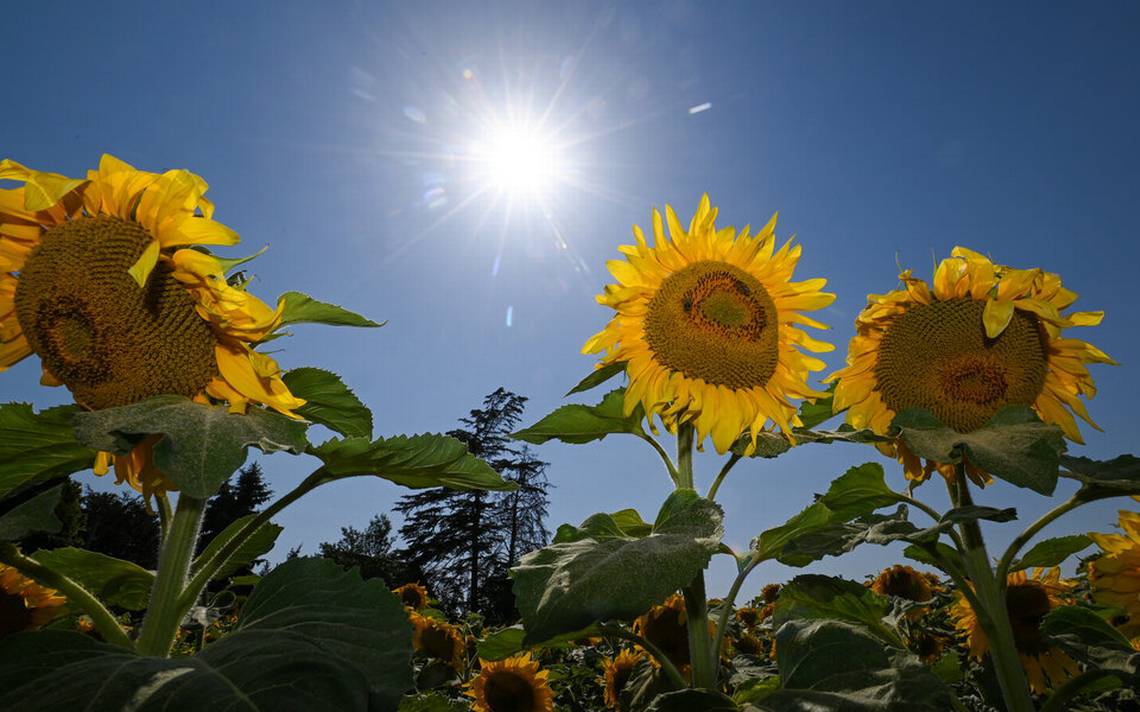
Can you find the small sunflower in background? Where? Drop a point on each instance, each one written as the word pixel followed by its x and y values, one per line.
pixel 709 324
pixel 1028 599
pixel 512 685
pixel 904 582
pixel 666 627
pixel 104 279
pixel 617 671
pixel 1115 576
pixel 438 639
pixel 748 616
pixel 984 337
pixel 770 593
pixel 24 604
pixel 413 595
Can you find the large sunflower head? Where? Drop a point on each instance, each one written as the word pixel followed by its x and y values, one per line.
pixel 617 671
pixel 1115 576
pixel 101 278
pixel 984 337
pixel 1028 599
pixel 24 604
pixel 512 685
pixel 709 324
pixel 438 639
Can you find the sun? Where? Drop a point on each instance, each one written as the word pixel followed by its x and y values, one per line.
pixel 518 161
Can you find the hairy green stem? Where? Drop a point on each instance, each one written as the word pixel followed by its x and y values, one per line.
pixel 993 615
pixel 1029 533
pixel 165 513
pixel 721 475
pixel 729 603
pixel 669 466
pixel 205 570
pixel 933 514
pixel 666 664
pixel 76 595
pixel 696 604
pixel 164 614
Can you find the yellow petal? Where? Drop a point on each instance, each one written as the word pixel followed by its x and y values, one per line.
pixel 996 316
pixel 142 268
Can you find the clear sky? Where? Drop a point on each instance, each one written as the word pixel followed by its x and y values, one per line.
pixel 349 138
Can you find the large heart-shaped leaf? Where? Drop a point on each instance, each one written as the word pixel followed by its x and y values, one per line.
pixel 579 424
pixel 202 445
pixel 1100 479
pixel 1050 552
pixel 120 583
pixel 329 402
pixel 415 461
pixel 310 637
pixel 814 596
pixel 1091 640
pixel 693 701
pixel 1014 445
pixel 598 572
pixel 37 447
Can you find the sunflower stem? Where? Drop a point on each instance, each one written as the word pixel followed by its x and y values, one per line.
pixel 729 603
pixel 994 617
pixel 696 605
pixel 1022 538
pixel 721 475
pixel 164 514
pixel 164 614
pixel 669 466
pixel 76 595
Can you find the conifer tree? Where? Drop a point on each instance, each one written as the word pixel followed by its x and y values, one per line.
pixel 370 550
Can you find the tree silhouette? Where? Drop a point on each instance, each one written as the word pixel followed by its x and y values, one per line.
pixel 465 541
pixel 370 549
pixel 237 497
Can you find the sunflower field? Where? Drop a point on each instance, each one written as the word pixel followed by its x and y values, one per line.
pixel 115 283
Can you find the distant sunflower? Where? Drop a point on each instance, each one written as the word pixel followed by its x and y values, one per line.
pixel 748 616
pixel 708 322
pixel 770 592
pixel 617 673
pixel 904 582
pixel 438 639
pixel 1028 600
pixel 985 337
pixel 1115 576
pixel 512 685
pixel 749 644
pixel 24 604
pixel 666 627
pixel 413 595
pixel 98 277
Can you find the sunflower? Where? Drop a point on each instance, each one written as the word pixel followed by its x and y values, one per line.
pixel 617 673
pixel 904 582
pixel 749 644
pixel 1115 576
pixel 666 627
pixel 1028 599
pixel 413 595
pixel 748 616
pixel 24 604
pixel 100 278
pixel 708 322
pixel 438 639
pixel 986 336
pixel 770 592
pixel 511 685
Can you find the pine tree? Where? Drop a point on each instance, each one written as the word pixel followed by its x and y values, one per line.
pixel 245 495
pixel 119 525
pixel 466 541
pixel 370 550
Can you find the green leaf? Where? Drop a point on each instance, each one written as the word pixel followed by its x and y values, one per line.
pixel 310 637
pixel 579 424
pixel 36 514
pixel 832 665
pixel 330 402
pixel 942 556
pixel 771 444
pixel 258 543
pixel 754 689
pixel 768 445
pixel 860 490
pixel 505 642
pixel 301 307
pixel 770 544
pixel 598 377
pixel 120 583
pixel 202 445
pixel 38 447
pixel 432 702
pixel 815 412
pixel 1051 552
pixel 415 461
pixel 1091 640
pixel 626 523
pixel 814 596
pixel 1014 445
pixel 608 574
pixel 693 700
pixel 1118 477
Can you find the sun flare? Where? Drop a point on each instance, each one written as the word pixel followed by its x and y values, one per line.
pixel 518 161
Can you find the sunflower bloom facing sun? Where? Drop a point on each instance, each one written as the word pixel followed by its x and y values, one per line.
pixel 709 324
pixel 101 279
pixel 984 337
pixel 438 639
pixel 617 671
pixel 512 685
pixel 1028 599
pixel 24 604
pixel 1115 576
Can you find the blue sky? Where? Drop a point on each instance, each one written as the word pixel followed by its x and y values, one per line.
pixel 883 133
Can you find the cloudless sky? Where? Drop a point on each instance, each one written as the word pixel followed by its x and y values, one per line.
pixel 338 134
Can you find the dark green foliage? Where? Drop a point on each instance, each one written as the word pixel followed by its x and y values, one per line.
pixel 119 525
pixel 236 498
pixel 370 550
